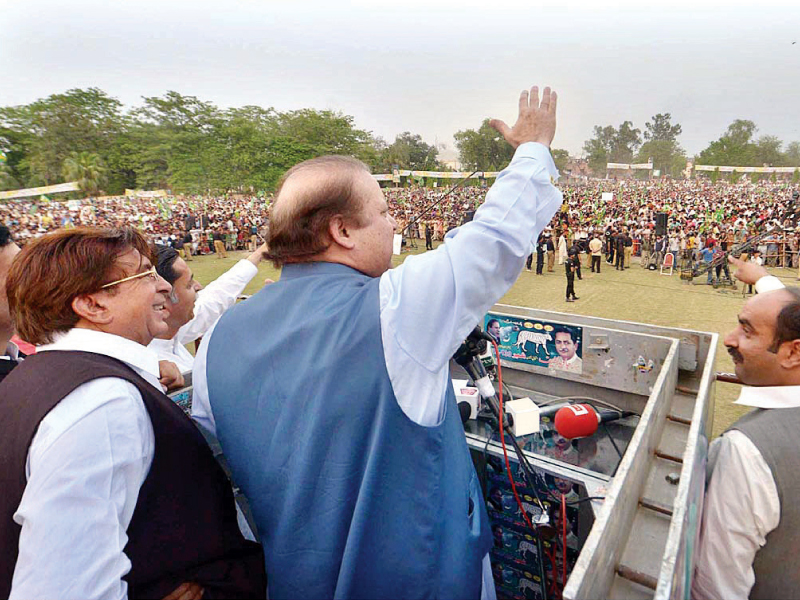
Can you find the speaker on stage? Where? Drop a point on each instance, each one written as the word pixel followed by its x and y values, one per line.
pixel 661 224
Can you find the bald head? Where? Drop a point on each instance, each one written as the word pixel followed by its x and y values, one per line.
pixel 309 195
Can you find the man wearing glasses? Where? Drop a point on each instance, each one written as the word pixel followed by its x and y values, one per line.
pixel 109 489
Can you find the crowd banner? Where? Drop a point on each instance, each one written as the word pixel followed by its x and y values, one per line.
pixel 627 167
pixel 729 169
pixel 71 186
pixel 146 194
pixel 398 173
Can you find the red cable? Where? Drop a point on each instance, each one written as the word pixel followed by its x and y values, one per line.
pixel 551 555
pixel 503 441
pixel 564 540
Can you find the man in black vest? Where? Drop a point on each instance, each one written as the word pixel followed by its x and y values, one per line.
pixel 750 536
pixel 9 353
pixel 109 490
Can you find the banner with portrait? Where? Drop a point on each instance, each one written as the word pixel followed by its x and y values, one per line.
pixel 537 343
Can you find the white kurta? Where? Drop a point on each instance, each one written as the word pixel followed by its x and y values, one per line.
pixel 86 464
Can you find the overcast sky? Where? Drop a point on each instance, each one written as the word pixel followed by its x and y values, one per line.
pixel 432 67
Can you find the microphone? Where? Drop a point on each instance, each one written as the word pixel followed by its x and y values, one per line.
pixel 467 357
pixel 581 420
pixel 464 409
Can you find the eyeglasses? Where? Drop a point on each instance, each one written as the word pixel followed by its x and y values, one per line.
pixel 151 273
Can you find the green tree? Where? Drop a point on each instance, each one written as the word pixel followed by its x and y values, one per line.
pixel 734 147
pixel 409 151
pixel 41 135
pixel 660 128
pixel 661 145
pixel 7 179
pixel 792 155
pixel 483 148
pixel 611 144
pixel 87 169
pixel 560 158
pixel 768 150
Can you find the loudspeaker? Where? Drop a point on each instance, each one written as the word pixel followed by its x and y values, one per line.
pixel 661 224
pixel 470 214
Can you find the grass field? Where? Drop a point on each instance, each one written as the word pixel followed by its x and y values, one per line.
pixel 631 295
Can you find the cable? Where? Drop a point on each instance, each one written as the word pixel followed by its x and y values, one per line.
pixel 613 443
pixel 589 398
pixel 551 555
pixel 505 452
pixel 564 541
pixel 588 498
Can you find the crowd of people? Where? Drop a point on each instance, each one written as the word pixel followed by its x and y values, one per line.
pixel 700 215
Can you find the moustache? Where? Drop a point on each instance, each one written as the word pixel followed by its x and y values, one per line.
pixel 736 355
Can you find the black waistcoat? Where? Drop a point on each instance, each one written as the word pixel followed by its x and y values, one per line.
pixel 184 525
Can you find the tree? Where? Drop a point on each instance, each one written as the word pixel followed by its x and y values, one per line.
pixel 768 150
pixel 626 141
pixel 409 151
pixel 560 158
pixel 660 128
pixel 661 145
pixel 612 145
pixel 7 179
pixel 483 149
pixel 734 147
pixel 666 155
pixel 740 132
pixel 792 155
pixel 87 169
pixel 41 135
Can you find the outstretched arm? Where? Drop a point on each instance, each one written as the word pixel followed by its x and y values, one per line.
pixel 432 301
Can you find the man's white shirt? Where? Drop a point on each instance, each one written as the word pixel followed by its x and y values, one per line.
pixel 741 505
pixel 86 464
pixel 213 300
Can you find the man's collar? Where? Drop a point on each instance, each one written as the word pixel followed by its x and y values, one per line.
pixel 784 396
pixel 294 270
pixel 115 346
pixel 12 351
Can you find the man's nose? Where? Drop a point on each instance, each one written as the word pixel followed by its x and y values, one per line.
pixel 730 339
pixel 162 285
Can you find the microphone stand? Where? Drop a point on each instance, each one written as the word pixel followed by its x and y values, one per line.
pixel 467 357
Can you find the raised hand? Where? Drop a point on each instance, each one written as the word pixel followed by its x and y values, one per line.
pixel 747 272
pixel 536 121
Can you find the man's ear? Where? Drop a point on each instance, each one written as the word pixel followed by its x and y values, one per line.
pixel 92 308
pixel 789 354
pixel 340 233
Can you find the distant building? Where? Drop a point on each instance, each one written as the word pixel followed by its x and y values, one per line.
pixel 577 169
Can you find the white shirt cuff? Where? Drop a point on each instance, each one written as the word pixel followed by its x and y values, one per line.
pixel 768 283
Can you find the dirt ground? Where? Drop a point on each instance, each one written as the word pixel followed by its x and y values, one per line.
pixel 635 294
